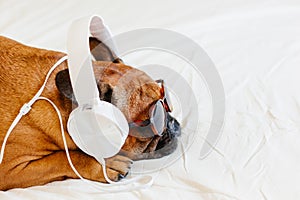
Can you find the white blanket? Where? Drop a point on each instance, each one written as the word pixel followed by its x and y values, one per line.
pixel 255 45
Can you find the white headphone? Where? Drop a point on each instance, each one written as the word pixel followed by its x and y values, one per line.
pixel 97 127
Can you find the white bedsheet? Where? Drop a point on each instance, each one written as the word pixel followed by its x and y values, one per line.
pixel 255 45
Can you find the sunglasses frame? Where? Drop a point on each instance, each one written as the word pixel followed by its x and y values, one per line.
pixel 167 105
pixel 167 108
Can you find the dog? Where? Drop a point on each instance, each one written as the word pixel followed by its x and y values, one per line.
pixel 34 153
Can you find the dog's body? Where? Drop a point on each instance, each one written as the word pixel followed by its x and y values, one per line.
pixel 35 153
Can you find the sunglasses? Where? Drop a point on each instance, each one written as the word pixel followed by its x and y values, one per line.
pixel 157 112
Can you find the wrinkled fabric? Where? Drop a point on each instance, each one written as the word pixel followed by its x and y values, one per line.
pixel 255 46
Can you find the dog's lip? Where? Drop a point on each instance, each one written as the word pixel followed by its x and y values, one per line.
pixel 137 130
pixel 172 131
pixel 159 142
pixel 164 140
pixel 155 140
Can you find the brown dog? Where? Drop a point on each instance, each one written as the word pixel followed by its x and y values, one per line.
pixel 34 153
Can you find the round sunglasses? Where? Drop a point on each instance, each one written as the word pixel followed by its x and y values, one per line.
pixel 157 112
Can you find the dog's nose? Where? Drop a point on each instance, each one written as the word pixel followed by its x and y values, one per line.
pixel 173 126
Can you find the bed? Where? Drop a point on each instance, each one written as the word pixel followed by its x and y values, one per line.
pixel 255 48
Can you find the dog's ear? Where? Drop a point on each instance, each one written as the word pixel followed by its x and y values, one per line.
pixel 105 91
pixel 63 84
pixel 101 52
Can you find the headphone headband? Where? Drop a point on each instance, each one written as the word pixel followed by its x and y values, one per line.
pixel 80 59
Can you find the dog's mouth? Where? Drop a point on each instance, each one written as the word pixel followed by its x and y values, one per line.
pixel 171 133
pixel 151 100
pixel 166 144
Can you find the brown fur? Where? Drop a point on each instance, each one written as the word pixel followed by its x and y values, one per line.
pixel 34 154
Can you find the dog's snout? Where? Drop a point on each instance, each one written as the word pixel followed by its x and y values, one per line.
pixel 173 126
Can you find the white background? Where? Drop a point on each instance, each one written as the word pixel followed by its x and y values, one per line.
pixel 255 45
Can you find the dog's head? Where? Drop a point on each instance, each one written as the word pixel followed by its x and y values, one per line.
pixel 137 96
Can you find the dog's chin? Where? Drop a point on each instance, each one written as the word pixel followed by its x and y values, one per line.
pixel 167 143
pixel 160 146
pixel 157 146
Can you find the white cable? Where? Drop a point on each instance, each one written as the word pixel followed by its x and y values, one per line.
pixel 47 77
pixel 139 182
pixel 27 106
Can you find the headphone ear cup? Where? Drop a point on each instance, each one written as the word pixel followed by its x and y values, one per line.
pixel 98 130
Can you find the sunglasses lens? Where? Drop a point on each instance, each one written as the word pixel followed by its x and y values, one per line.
pixel 158 118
